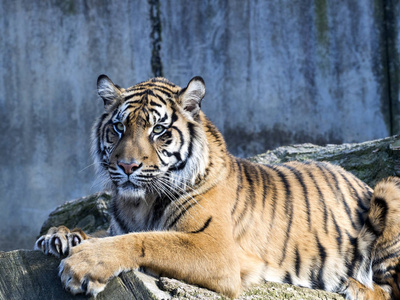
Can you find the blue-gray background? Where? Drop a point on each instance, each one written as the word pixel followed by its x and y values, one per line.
pixel 277 72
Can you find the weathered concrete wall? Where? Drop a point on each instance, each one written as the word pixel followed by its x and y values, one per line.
pixel 280 72
pixel 277 72
pixel 51 55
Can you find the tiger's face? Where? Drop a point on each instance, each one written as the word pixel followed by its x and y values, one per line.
pixel 150 138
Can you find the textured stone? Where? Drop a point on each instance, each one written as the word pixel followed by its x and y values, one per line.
pixel 370 161
pixel 91 214
pixel 30 275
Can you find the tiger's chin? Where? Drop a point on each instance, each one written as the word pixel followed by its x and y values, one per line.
pixel 131 191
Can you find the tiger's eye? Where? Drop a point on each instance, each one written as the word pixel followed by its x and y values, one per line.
pixel 119 127
pixel 158 129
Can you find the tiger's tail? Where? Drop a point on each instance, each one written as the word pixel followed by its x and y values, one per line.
pixel 384 221
pixel 378 266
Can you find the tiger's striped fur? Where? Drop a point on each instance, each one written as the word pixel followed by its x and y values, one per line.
pixel 186 208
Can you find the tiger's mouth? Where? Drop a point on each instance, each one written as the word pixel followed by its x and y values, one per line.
pixel 129 185
pixel 131 190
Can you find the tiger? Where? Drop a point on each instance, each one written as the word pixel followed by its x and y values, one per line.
pixel 184 207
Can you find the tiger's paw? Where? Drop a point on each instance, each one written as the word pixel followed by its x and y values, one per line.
pixel 91 265
pixel 58 241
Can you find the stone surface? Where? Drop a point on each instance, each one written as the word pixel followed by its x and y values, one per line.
pixel 30 275
pixel 90 213
pixel 370 161
pixel 277 73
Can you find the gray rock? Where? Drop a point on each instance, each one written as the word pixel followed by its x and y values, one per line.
pixel 370 161
pixel 90 213
pixel 30 275
pixel 26 275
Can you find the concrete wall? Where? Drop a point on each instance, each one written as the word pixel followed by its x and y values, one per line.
pixel 276 72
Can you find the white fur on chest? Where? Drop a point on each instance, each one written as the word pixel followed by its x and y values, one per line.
pixel 133 216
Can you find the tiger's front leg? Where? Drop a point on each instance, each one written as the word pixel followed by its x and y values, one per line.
pixel 195 258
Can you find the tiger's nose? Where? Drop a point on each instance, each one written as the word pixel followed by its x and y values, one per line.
pixel 128 168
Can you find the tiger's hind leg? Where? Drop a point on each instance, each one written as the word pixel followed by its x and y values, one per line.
pixel 357 291
pixel 385 220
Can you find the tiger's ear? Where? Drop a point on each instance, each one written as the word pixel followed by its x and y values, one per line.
pixel 191 96
pixel 107 90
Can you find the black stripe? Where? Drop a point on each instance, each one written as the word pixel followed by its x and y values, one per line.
pixel 297 262
pixel 107 134
pixel 266 181
pixel 164 118
pixel 356 255
pixel 159 209
pixel 161 160
pixel 354 192
pixel 162 99
pixel 300 178
pixel 174 117
pixel 143 252
pixel 274 194
pixel 382 259
pixel 321 200
pixel 181 209
pixel 166 93
pixel 313 274
pixel 180 164
pixel 382 205
pixel 214 132
pixel 339 233
pixel 287 278
pixel 288 210
pixel 206 224
pixel 155 104
pixel 250 202
pixel 137 94
pixel 322 256
pixel 239 184
pixel 156 112
pixel 338 193
pixel 141 93
pixel 192 137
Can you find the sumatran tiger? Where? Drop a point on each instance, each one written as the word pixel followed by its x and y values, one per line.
pixel 184 207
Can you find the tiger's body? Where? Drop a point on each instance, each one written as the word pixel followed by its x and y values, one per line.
pixel 184 207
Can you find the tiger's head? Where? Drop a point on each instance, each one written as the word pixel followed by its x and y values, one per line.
pixel 150 137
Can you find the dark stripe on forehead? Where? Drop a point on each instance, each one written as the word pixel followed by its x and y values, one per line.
pixel 146 93
pixel 154 111
pixel 164 118
pixel 154 103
